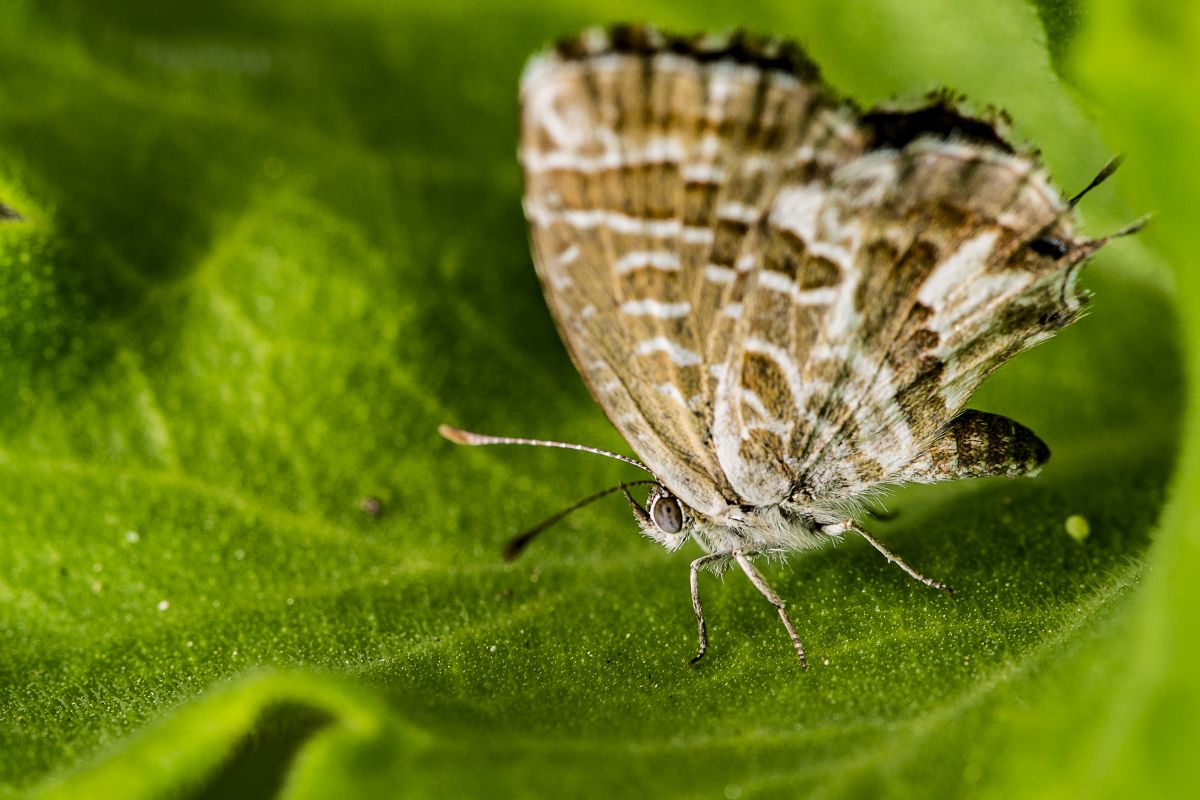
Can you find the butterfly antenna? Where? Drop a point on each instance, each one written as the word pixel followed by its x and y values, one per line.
pixel 1104 174
pixel 466 437
pixel 518 543
pixel 1134 227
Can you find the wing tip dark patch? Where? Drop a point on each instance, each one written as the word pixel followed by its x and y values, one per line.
pixel 940 117
pixel 741 46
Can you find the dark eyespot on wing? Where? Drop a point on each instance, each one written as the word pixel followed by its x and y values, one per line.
pixel 977 444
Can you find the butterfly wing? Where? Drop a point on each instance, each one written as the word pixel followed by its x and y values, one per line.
pixel 931 262
pixel 773 297
pixel 640 194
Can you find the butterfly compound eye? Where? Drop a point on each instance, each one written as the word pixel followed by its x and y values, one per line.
pixel 1050 247
pixel 667 514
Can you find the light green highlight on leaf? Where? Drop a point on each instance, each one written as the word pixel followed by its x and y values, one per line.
pixel 1077 527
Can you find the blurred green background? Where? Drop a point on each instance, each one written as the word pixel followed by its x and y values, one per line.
pixel 259 250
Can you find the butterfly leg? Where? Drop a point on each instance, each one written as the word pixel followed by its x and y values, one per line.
pixel 757 579
pixel 702 629
pixel 900 562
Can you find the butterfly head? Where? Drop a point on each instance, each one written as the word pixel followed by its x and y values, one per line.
pixel 665 519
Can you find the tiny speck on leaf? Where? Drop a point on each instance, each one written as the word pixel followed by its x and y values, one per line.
pixel 373 506
pixel 9 213
pixel 1077 527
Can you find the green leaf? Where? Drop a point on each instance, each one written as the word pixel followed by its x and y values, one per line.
pixel 263 249
pixel 1061 20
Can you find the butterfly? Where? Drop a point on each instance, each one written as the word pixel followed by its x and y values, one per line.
pixel 781 301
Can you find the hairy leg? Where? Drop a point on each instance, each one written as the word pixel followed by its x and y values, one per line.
pixel 757 579
pixel 897 560
pixel 702 629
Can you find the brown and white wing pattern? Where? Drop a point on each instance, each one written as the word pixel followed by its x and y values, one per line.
pixel 775 298
pixel 925 264
pixel 649 161
pixel 971 259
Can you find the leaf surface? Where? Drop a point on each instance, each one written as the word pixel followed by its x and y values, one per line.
pixel 264 249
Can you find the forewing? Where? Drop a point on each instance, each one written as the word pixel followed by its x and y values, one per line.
pixel 773 297
pixel 649 163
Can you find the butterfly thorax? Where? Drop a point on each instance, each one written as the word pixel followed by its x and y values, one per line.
pixel 763 529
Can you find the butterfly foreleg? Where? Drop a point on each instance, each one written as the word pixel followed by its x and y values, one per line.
pixel 701 628
pixel 756 578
